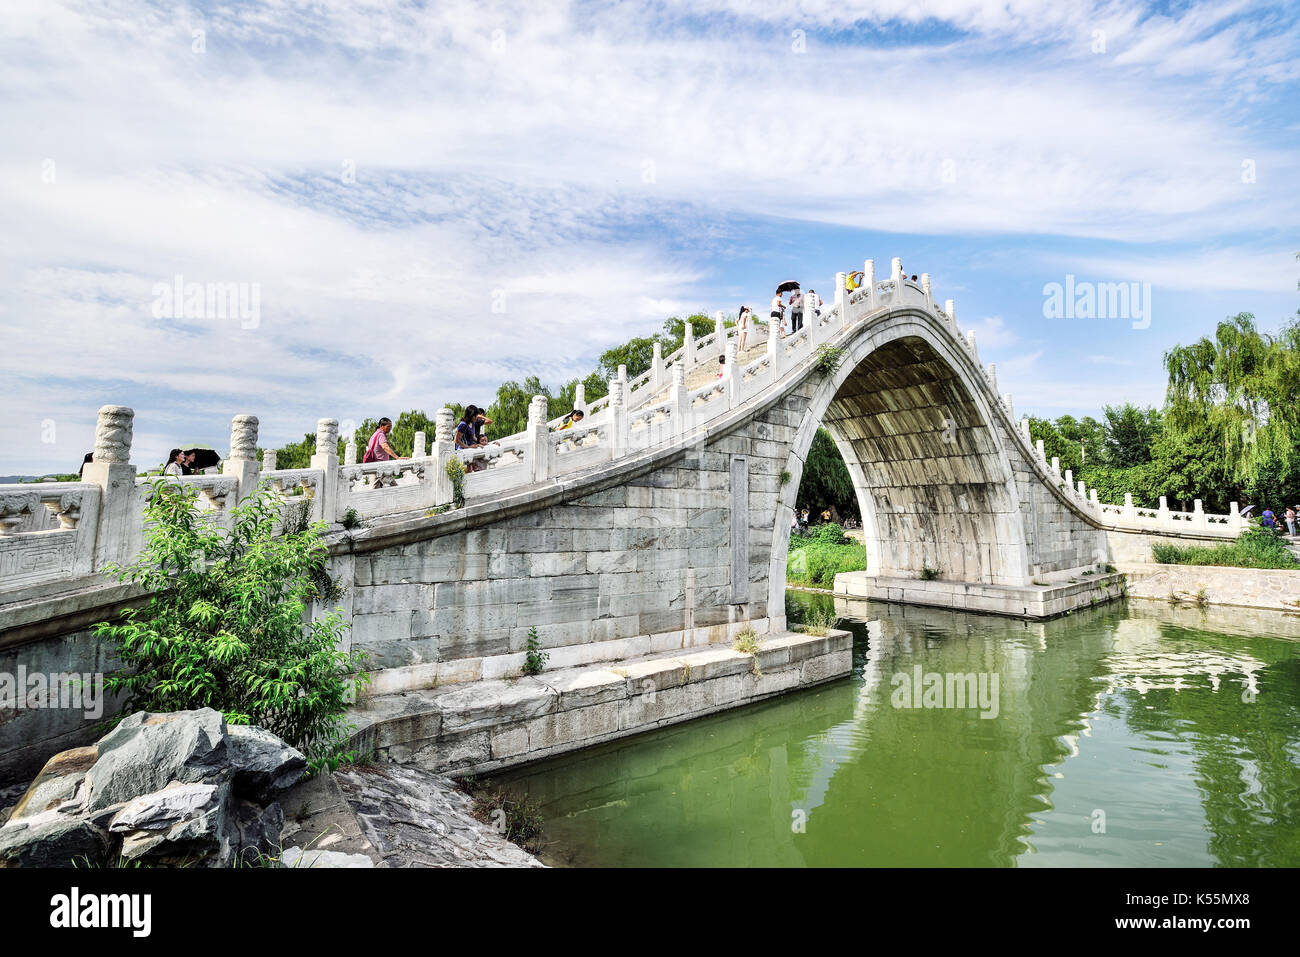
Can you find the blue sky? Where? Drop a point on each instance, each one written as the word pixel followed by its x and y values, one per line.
pixel 431 198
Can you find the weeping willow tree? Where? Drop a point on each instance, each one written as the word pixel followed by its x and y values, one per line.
pixel 1241 390
pixel 826 480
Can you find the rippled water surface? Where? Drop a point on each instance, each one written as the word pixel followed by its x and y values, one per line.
pixel 1132 736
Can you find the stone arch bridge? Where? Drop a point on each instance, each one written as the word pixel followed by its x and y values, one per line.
pixel 660 525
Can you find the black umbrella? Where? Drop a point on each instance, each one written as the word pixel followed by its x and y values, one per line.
pixel 787 286
pixel 203 458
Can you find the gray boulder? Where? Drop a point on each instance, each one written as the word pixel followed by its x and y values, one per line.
pixel 264 765
pixel 181 824
pixel 147 751
pixel 53 841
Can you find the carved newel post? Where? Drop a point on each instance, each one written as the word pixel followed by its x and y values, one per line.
pixel 729 375
pixel 350 451
pixel 681 401
pixel 326 461
pixel 444 447
pixel 242 462
pixel 118 536
pixel 269 460
pixel 617 417
pixel 869 282
pixel 417 448
pixel 541 438
pixel 580 400
pixel 657 366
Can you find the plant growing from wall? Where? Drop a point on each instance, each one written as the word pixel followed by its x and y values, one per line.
pixel 226 625
pixel 534 658
pixel 929 574
pixel 828 358
pixel 456 472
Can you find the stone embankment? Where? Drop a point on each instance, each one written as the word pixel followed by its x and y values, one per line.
pixel 1273 589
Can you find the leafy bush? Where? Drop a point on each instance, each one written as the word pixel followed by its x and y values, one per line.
pixel 225 625
pixel 929 574
pixel 456 472
pixel 535 659
pixel 829 358
pixel 814 563
pixel 830 534
pixel 1254 548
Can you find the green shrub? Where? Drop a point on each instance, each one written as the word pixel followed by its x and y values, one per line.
pixel 829 358
pixel 456 472
pixel 535 659
pixel 929 574
pixel 1255 548
pixel 225 625
pixel 815 563
pixel 830 534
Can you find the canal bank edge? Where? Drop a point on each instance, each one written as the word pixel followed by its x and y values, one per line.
pixel 490 725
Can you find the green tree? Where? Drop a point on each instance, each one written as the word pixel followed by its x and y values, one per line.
pixel 225 626
pixel 826 480
pixel 1129 433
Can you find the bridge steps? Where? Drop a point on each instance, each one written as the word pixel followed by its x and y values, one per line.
pixel 488 725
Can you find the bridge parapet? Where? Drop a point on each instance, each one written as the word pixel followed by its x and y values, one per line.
pixel 49 531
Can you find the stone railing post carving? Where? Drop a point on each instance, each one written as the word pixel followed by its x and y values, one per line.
pixel 657 367
pixel 841 294
pixel 325 505
pixel 896 274
pixel 444 447
pixel 1198 514
pixel 720 328
pixel 350 452
pixel 1024 428
pixel 1009 406
pixel 729 375
pixel 774 345
pixel 242 462
pixel 269 460
pixel 1069 480
pixel 1042 452
pixel 1234 518
pixel 417 446
pixel 925 288
pixel 1130 511
pixel 1094 501
pixel 970 342
pixel 681 402
pixel 992 373
pixel 688 343
pixel 1056 466
pixel 541 449
pixel 119 535
pixel 869 282
pixel 580 397
pixel 1162 517
pixel 950 310
pixel 617 417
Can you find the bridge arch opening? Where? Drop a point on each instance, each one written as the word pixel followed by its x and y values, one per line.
pixel 927 459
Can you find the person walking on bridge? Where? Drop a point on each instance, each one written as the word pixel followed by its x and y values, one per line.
pixel 778 312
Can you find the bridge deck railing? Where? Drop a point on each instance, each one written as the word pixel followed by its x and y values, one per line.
pixel 56 530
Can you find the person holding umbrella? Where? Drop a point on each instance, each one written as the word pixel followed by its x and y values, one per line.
pixel 198 459
pixel 778 307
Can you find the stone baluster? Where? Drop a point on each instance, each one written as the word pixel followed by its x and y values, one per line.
pixel 622 377
pixel 842 295
pixel 119 533
pixel 444 447
pixel 991 371
pixel 324 507
pixel 970 344
pixel 1042 452
pixel 1094 501
pixel 1007 404
pixel 681 401
pixel 1024 429
pixel 896 275
pixel 774 346
pixel 350 451
pixel 242 462
pixel 1234 518
pixel 688 343
pixel 1083 490
pixel 269 457
pixel 1069 479
pixel 657 367
pixel 1056 466
pixel 1162 516
pixel 617 417
pixel 1198 514
pixel 580 397
pixel 925 289
pixel 1130 510
pixel 542 449
pixel 869 282
pixel 729 375
pixel 950 310
pixel 720 327
pixel 417 447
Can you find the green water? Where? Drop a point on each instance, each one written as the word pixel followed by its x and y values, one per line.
pixel 1124 736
